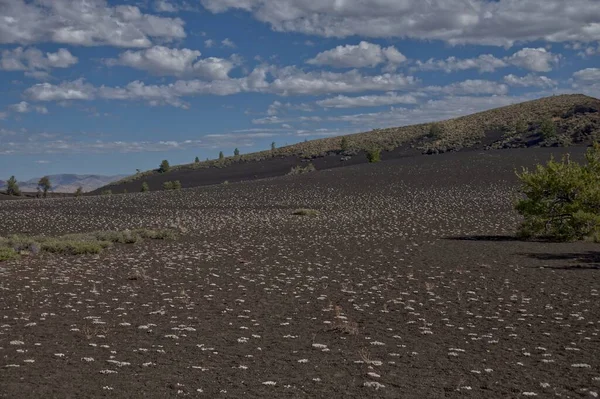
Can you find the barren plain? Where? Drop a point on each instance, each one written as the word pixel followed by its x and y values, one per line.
pixel 406 284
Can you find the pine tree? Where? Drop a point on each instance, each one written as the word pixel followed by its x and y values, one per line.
pixel 164 166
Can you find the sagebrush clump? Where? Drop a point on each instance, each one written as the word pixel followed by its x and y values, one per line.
pixel 299 170
pixel 76 244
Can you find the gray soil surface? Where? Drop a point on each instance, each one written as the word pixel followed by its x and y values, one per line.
pixel 406 285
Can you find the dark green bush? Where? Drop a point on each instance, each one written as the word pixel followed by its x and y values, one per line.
pixel 562 199
pixel 374 155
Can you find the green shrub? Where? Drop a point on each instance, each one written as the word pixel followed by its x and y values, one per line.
pixel 118 237
pixel 77 244
pixel 305 212
pixel 435 131
pixel 547 129
pixel 562 199
pixel 145 187
pixel 79 191
pixel 168 185
pixel 107 192
pixel 374 155
pixel 74 247
pixel 521 127
pixel 236 152
pixel 160 234
pixel 176 185
pixel 8 254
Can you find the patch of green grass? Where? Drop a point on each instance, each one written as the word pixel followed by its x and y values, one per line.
pixel 306 212
pixel 8 254
pixel 74 247
pixel 77 244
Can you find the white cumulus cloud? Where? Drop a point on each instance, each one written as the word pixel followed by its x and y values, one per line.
pixel 162 60
pixel 35 62
pixel 83 22
pixel 367 101
pixel 500 23
pixel 529 80
pixel 362 55
pixel 534 59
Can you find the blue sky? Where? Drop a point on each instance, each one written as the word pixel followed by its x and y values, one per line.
pixel 108 87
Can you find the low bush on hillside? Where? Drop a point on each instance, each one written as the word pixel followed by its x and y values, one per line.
pixel 172 185
pixel 562 199
pixel 76 244
pixel 299 169
pixel 374 155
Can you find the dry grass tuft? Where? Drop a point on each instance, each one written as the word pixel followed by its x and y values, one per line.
pixel 305 212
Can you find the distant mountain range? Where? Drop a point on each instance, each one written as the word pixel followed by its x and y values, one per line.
pixel 68 183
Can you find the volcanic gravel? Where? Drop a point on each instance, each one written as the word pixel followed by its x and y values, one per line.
pixel 407 284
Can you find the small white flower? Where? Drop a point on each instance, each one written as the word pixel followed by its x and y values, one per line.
pixel 373 384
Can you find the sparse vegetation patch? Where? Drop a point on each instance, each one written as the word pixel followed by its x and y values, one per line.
pixel 299 169
pixel 76 244
pixel 305 212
